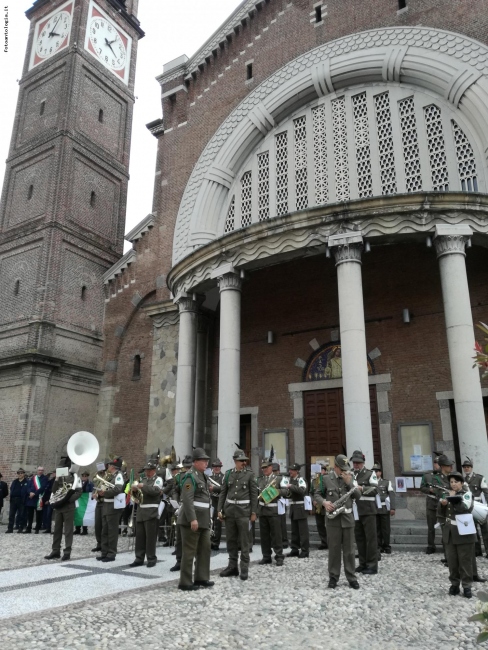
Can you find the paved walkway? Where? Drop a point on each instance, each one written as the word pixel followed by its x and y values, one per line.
pixel 81 580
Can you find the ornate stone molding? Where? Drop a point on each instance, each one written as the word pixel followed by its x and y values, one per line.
pixel 450 240
pixel 186 303
pixel 306 232
pixel 163 314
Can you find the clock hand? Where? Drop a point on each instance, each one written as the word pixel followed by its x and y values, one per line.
pixel 51 33
pixel 110 46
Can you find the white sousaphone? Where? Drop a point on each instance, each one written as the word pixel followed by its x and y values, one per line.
pixel 82 449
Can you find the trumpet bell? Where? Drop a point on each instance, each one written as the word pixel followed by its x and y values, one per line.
pixel 83 448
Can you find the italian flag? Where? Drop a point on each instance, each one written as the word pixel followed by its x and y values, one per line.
pixel 85 510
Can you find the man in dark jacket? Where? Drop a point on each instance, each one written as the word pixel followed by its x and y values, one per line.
pixel 3 492
pixel 47 511
pixel 365 527
pixel 34 502
pixel 18 494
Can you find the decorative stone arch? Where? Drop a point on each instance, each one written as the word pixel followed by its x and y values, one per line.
pixel 386 56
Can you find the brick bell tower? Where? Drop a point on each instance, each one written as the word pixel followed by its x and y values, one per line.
pixel 62 219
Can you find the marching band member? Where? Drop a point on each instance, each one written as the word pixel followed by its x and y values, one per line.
pixel 147 494
pixel 110 514
pixel 387 510
pixel 431 505
pixel 478 486
pixel 194 523
pixel 98 516
pixel 459 548
pixel 218 477
pixel 284 532
pixel 64 516
pixel 238 502
pixel 316 487
pixel 297 489
pixel 340 529
pixel 365 527
pixel 269 521
pixel 179 478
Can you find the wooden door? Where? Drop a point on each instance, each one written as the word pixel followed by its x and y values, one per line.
pixel 325 431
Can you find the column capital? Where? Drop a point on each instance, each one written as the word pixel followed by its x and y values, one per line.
pixel 451 239
pixel 189 302
pixel 229 281
pixel 346 247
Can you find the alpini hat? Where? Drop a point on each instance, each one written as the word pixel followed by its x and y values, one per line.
pixel 342 462
pixel 239 455
pixel 187 461
pixel 467 462
pixel 116 462
pixel 199 454
pixel 445 461
pixel 358 456
pixel 266 463
pixel 217 463
pixel 376 467
pixel 457 475
pixel 296 467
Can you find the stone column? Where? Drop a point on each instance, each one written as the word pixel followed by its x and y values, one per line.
pixel 229 363
pixel 347 250
pixel 201 382
pixel 450 243
pixel 185 380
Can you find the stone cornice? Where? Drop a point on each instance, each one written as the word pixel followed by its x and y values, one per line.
pixel 163 314
pixel 234 20
pixel 142 227
pixel 380 219
pixel 119 266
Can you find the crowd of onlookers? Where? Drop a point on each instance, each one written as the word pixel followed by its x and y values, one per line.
pixel 29 496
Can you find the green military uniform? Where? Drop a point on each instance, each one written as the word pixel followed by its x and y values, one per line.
pixel 431 507
pixel 317 487
pixel 195 505
pixel 110 514
pixel 459 548
pixel 64 516
pixel 216 523
pixel 383 519
pixel 365 527
pixel 478 487
pixel 284 532
pixel 269 522
pixel 147 519
pixel 300 539
pixel 340 529
pixel 238 500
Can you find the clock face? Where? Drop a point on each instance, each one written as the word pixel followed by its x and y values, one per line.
pixel 51 34
pixel 108 42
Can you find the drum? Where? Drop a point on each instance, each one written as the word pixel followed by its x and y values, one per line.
pixel 269 494
pixel 480 512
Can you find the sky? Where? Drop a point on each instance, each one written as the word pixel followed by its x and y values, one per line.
pixel 173 28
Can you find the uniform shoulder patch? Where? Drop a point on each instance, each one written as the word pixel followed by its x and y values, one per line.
pixel 158 482
pixel 119 480
pixel 187 485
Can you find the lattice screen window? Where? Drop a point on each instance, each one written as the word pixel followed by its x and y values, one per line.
pixel 246 198
pixel 373 141
pixel 320 155
pixel 282 173
pixel 437 148
pixel 301 181
pixel 229 222
pixel 411 154
pixel 341 165
pixel 361 141
pixel 385 143
pixel 263 186
pixel 465 160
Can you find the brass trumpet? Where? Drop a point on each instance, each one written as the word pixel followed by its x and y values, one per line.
pixel 100 483
pixel 136 493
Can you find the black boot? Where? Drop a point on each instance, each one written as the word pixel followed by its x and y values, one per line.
pixel 85 530
pixel 52 556
pixel 229 571
pixel 176 567
pixel 77 530
pixel 467 592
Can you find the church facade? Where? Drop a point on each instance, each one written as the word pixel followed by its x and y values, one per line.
pixel 316 256
pixel 315 260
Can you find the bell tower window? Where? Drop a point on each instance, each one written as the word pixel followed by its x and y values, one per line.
pixel 136 373
pixel 83 292
pixel 16 287
pixel 30 192
pixel 100 115
pixel 42 107
pixel 92 199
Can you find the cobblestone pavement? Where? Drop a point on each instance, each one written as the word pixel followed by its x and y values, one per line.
pixel 405 606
